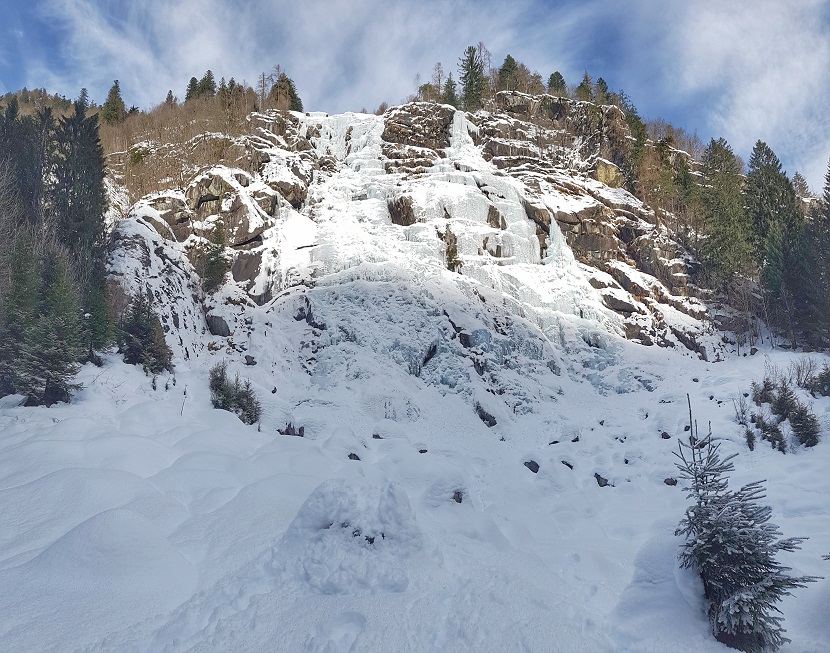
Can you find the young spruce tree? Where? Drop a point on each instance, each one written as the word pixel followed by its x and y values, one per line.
pixel 53 341
pixel 141 336
pixel 732 545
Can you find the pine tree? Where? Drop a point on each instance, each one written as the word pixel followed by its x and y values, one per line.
pixel 450 94
pixel 236 396
pixel 214 262
pixel 508 80
pixel 601 91
pixel 98 322
pixel 585 90
pixel 817 269
pixel 471 73
pixel 638 131
pixel 784 401
pixel 18 310
pixel 192 89
pixel 76 195
pixel 773 210
pixel 727 247
pixel 26 143
pixel 732 545
pixel 295 104
pixel 556 84
pixel 207 85
pixel 114 110
pixel 170 100
pixel 772 272
pixel 283 94
pixel 141 336
pixel 34 161
pixel 222 93
pixel 805 425
pixel 802 189
pixel 77 202
pixel 687 205
pixel 54 347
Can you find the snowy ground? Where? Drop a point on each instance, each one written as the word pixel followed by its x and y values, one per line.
pixel 143 520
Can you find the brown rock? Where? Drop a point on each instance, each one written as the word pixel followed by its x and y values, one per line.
pixel 420 124
pixel 400 210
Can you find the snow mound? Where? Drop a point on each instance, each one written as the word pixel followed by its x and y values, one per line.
pixel 86 572
pixel 351 537
pixel 118 545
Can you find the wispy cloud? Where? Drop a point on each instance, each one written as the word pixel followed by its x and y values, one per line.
pixel 729 68
pixel 750 71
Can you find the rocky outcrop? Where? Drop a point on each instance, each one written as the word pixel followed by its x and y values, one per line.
pixel 420 125
pixel 400 211
pixel 226 193
pixel 175 214
pixel 408 159
pixel 217 325
pixel 609 174
pixel 592 130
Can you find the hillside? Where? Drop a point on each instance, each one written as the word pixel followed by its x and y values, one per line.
pixel 488 345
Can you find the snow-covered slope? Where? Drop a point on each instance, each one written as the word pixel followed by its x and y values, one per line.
pixel 484 454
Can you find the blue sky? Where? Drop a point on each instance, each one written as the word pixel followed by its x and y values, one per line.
pixel 741 69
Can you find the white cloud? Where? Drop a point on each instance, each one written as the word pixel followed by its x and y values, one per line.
pixel 767 66
pixel 730 68
pixel 342 55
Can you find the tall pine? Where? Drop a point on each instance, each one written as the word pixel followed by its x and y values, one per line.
pixel 772 208
pixel 726 249
pixel 471 74
pixel 114 110
pixel 508 75
pixel 817 269
pixel 450 93
pixel 18 311
pixel 192 91
pixel 77 203
pixel 556 84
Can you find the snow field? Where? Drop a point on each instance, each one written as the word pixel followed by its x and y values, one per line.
pixel 131 524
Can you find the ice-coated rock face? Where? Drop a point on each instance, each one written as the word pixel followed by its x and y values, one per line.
pixel 511 201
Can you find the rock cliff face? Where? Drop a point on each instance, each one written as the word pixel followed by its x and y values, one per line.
pixel 525 201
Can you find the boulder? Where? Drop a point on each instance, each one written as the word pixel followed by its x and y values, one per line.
pixel 607 173
pixel 204 194
pixel 245 267
pixel 407 158
pixel 176 215
pixel 400 211
pixel 266 200
pixel 619 302
pixel 217 325
pixel 419 124
pixel 293 191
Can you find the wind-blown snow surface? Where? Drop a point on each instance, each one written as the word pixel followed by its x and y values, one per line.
pixel 142 520
pixel 405 519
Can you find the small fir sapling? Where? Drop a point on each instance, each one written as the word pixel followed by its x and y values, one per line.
pixel 733 547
